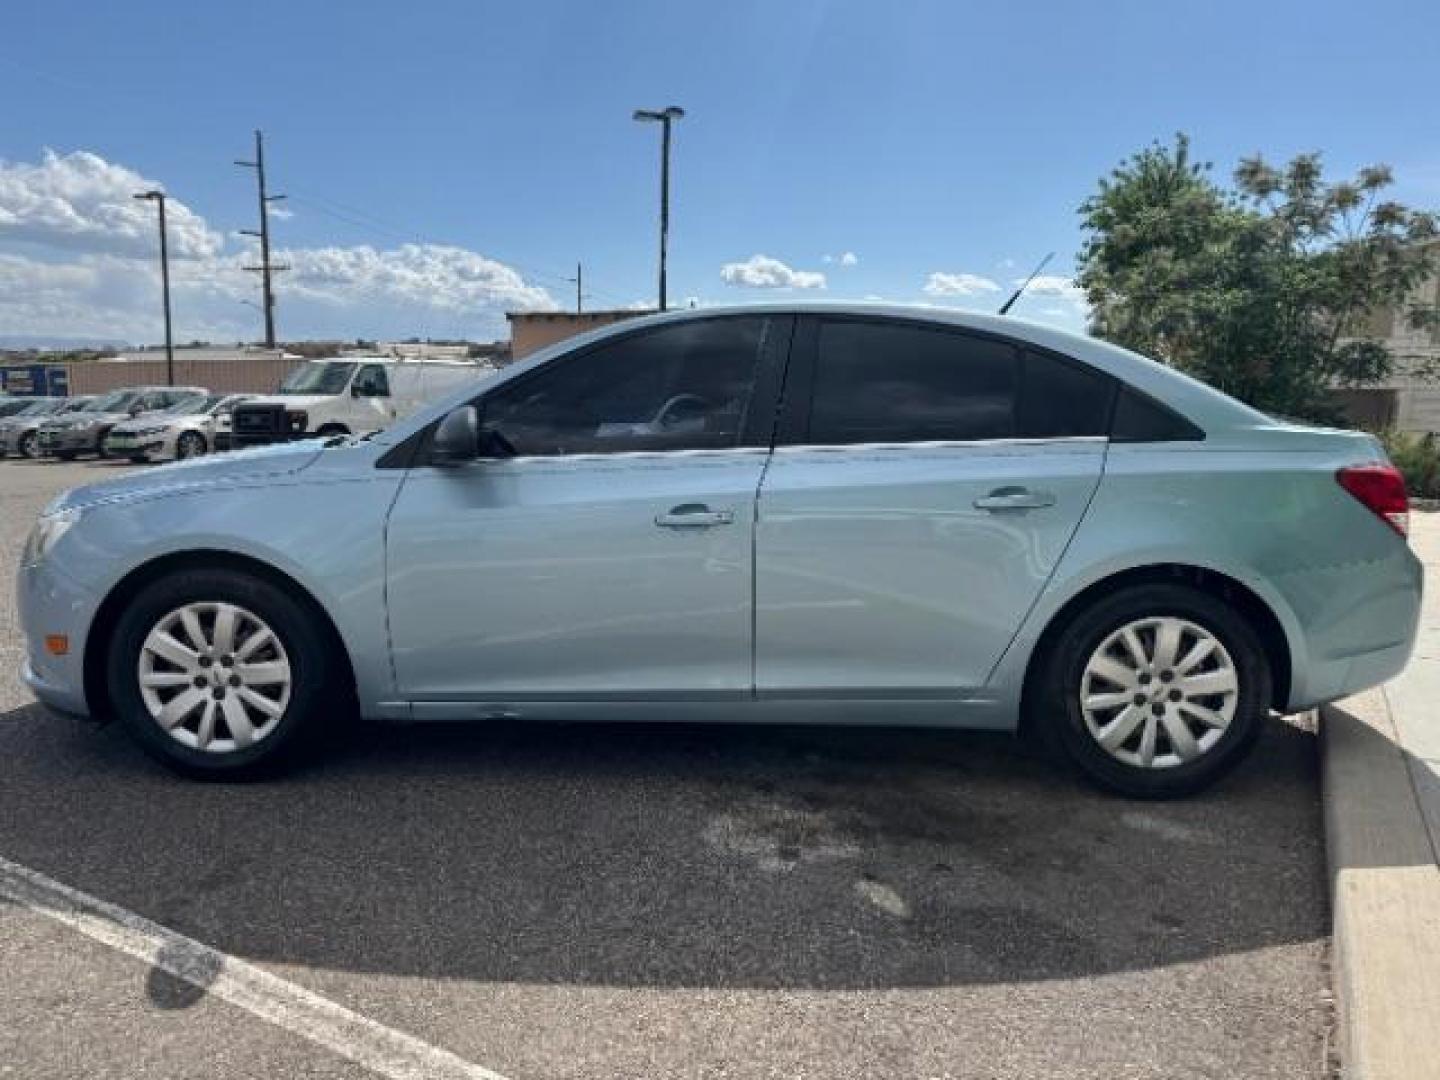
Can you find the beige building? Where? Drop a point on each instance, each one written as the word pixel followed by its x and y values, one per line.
pixel 533 330
pixel 1409 400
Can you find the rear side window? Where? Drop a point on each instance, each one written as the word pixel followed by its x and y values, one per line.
pixel 1062 398
pixel 894 383
pixel 1141 419
pixel 879 382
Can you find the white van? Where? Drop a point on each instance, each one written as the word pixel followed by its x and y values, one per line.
pixel 351 395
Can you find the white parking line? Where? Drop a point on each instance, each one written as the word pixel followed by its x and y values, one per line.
pixel 381 1049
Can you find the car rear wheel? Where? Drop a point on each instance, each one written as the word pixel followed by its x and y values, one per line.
pixel 1156 691
pixel 220 674
pixel 26 447
pixel 189 444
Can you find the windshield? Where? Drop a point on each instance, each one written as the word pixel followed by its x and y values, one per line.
pixel 115 401
pixel 41 407
pixel 75 405
pixel 15 406
pixel 329 378
pixel 192 405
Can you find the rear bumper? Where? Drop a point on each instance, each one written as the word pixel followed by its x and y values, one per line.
pixel 1358 626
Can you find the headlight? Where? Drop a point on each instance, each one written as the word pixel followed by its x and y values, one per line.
pixel 47 533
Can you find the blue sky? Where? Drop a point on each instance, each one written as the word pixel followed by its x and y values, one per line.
pixel 495 139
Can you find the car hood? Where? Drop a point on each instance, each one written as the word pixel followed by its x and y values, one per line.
pixel 87 418
pixel 236 467
pixel 144 422
pixel 293 402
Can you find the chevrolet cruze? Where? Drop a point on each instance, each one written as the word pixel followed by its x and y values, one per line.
pixel 809 514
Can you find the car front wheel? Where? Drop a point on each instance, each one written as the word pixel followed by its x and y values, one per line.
pixel 219 674
pixel 189 444
pixel 1156 691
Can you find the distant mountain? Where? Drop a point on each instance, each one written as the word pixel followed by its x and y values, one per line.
pixel 27 341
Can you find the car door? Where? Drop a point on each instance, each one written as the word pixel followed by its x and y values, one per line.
pixel 371 404
pixel 604 549
pixel 925 484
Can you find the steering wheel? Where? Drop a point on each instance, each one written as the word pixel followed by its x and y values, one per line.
pixel 663 418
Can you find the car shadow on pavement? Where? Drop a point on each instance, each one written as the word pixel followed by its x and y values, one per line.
pixel 687 856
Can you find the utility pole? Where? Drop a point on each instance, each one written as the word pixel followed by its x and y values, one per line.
pixel 664 117
pixel 266 267
pixel 579 280
pixel 158 197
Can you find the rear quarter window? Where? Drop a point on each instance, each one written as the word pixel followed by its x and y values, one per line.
pixel 1139 418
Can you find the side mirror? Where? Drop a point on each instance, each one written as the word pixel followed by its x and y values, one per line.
pixel 457 439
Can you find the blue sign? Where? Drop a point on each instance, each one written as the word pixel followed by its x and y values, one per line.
pixel 35 380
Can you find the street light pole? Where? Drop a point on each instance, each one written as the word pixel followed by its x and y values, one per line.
pixel 158 197
pixel 664 117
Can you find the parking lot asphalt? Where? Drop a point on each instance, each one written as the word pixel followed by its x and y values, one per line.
pixel 656 900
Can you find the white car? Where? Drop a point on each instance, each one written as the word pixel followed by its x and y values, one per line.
pixel 353 395
pixel 187 430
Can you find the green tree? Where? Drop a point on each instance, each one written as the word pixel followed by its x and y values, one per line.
pixel 1264 289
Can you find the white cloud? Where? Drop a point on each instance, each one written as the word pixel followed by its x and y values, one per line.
pixel 763 272
pixel 82 202
pixel 78 258
pixel 941 284
pixel 845 258
pixel 1062 288
pixel 437 276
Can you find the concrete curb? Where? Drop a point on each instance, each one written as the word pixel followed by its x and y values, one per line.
pixel 1385 891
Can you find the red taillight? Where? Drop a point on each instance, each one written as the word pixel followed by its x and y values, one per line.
pixel 1382 489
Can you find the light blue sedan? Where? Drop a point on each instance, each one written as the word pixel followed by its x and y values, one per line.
pixel 810 513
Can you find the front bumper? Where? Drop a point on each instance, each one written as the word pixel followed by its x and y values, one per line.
pixel 48 603
pixel 75 441
pixel 127 445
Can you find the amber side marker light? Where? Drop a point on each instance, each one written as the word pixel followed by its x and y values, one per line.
pixel 57 644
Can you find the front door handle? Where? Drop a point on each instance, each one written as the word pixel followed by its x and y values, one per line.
pixel 1015 498
pixel 694 516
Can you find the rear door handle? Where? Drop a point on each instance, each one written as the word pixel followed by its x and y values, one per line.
pixel 694 516
pixel 1015 498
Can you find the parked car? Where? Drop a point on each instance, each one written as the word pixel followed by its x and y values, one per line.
pixel 356 395
pixel 184 430
pixel 811 513
pixel 19 433
pixel 84 431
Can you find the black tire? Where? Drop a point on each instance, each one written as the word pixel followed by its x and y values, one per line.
pixel 190 444
pixel 26 446
pixel 327 430
pixel 1056 706
pixel 315 673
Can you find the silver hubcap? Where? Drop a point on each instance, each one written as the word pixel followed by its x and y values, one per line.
pixel 1159 692
pixel 214 676
pixel 188 446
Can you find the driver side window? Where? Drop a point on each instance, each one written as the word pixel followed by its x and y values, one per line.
pixel 680 387
pixel 370 381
